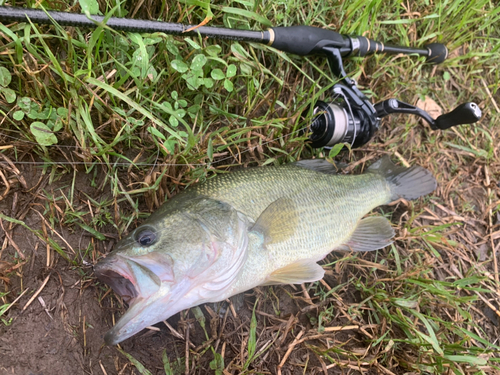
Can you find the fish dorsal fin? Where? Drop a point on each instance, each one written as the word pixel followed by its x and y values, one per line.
pixel 278 221
pixel 303 271
pixel 320 165
pixel 371 233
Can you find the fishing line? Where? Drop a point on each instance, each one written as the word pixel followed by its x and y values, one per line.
pixel 245 150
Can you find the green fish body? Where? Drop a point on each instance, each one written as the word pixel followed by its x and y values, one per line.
pixel 257 226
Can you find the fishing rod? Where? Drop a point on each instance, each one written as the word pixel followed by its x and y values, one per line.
pixel 350 117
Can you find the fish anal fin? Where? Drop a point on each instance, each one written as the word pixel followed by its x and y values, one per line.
pixel 304 271
pixel 278 221
pixel 371 233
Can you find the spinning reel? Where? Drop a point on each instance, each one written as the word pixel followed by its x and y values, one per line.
pixel 351 118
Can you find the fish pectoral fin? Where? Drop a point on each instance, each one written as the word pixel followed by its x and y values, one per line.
pixel 278 221
pixel 304 271
pixel 372 233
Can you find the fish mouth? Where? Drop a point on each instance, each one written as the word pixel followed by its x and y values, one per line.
pixel 119 274
pixel 120 284
pixel 146 295
pixel 152 291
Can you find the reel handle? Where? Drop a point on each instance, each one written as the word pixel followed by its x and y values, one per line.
pixel 467 113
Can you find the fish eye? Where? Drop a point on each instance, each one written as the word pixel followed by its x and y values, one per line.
pixel 146 237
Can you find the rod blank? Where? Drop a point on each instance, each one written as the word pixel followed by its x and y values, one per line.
pixel 11 14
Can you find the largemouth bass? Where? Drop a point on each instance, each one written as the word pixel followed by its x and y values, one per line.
pixel 258 226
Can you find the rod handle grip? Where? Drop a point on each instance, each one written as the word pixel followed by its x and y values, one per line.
pixel 305 40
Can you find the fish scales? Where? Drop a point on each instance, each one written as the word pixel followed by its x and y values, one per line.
pixel 251 227
pixel 327 206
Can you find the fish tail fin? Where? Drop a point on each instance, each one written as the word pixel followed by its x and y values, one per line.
pixel 408 183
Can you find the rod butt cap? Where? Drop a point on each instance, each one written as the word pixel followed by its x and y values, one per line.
pixel 437 53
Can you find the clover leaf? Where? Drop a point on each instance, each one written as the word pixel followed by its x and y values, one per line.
pixel 43 134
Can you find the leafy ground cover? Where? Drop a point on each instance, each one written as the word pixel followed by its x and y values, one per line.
pixel 99 128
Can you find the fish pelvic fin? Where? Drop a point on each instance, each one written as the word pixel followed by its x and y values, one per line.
pixel 278 221
pixel 303 271
pixel 408 183
pixel 371 233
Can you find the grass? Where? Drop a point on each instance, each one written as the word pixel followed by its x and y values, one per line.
pixel 141 117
